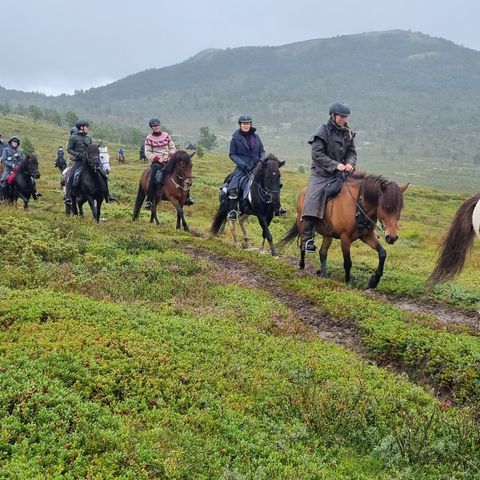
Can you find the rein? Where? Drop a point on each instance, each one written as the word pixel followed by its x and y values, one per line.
pixel 361 217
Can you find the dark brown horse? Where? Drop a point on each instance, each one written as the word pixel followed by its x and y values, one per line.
pixel 353 215
pixel 23 183
pixel 177 181
pixel 458 242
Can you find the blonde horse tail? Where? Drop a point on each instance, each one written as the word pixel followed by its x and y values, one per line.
pixel 458 242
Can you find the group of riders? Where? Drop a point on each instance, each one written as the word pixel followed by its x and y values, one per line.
pixel 333 152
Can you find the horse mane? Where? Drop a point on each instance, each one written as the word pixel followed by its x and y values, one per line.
pixel 178 156
pixel 376 192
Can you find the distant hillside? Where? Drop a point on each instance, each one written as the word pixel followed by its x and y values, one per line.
pixel 411 94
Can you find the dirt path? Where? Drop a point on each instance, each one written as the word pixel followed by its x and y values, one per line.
pixel 339 331
pixel 444 315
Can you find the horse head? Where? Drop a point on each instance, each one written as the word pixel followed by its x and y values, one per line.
pixel 105 159
pixel 180 166
pixel 31 166
pixel 390 206
pixel 93 157
pixel 267 173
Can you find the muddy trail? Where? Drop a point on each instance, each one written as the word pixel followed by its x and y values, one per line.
pixel 327 328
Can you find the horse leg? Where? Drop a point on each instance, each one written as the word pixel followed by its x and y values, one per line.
pixel 266 234
pixel 241 222
pixel 372 241
pixel 347 259
pixel 181 217
pixel 326 242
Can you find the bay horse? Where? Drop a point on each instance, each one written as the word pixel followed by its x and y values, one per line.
pixel 458 242
pixel 352 215
pixel 176 184
pixel 92 186
pixel 262 201
pixel 23 184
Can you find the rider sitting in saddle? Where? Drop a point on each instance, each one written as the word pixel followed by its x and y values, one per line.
pixel 333 151
pixel 159 149
pixel 77 148
pixel 11 158
pixel 246 150
pixel 60 161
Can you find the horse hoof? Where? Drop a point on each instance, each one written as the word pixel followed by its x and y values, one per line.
pixel 373 282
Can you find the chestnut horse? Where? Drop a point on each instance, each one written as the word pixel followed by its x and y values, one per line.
pixel 458 242
pixel 177 181
pixel 353 215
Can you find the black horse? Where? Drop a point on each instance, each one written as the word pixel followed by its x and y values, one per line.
pixel 23 185
pixel 92 186
pixel 262 201
pixel 61 163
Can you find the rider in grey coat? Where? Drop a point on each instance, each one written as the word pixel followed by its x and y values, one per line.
pixel 333 151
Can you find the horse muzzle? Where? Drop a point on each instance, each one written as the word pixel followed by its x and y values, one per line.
pixel 390 239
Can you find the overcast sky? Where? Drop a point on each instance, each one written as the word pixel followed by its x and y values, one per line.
pixel 57 46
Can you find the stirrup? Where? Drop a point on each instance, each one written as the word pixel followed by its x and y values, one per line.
pixel 232 215
pixel 189 202
pixel 310 246
pixel 148 205
pixel 68 201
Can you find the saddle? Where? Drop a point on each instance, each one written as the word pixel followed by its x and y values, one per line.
pixel 243 187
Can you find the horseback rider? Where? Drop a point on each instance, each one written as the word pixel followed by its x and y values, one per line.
pixel 11 158
pixel 60 162
pixel 77 148
pixel 246 150
pixel 159 149
pixel 333 151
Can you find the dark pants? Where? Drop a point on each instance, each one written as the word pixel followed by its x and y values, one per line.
pixel 156 179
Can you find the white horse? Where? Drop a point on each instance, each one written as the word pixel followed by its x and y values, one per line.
pixel 105 159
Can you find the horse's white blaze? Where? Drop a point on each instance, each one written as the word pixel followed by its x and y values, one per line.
pixel 476 219
pixel 105 159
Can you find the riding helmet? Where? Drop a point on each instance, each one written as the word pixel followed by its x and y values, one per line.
pixel 245 118
pixel 14 137
pixel 82 123
pixel 339 108
pixel 154 122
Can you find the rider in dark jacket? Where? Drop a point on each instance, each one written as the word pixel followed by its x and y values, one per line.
pixel 246 150
pixel 77 148
pixel 333 151
pixel 11 157
pixel 2 144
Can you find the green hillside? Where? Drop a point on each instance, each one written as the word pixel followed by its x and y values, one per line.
pixel 415 99
pixel 133 351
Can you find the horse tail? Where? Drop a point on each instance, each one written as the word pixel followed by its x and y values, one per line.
pixel 220 218
pixel 138 202
pixel 289 237
pixel 457 244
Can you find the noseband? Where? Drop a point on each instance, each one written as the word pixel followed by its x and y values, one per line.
pixel 182 185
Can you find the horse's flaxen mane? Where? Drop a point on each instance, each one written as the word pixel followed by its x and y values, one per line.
pixel 380 191
pixel 179 156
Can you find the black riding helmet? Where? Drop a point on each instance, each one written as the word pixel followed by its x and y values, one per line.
pixel 339 108
pixel 245 118
pixel 154 122
pixel 14 137
pixel 82 123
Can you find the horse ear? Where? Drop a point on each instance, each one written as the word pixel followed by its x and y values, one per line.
pixel 281 164
pixel 193 154
pixel 404 187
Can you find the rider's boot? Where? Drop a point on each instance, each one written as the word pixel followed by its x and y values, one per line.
pixel 308 234
pixel 232 204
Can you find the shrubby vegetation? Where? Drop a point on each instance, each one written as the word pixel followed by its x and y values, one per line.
pixel 123 355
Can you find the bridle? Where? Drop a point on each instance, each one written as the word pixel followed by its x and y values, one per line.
pixel 183 185
pixel 266 194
